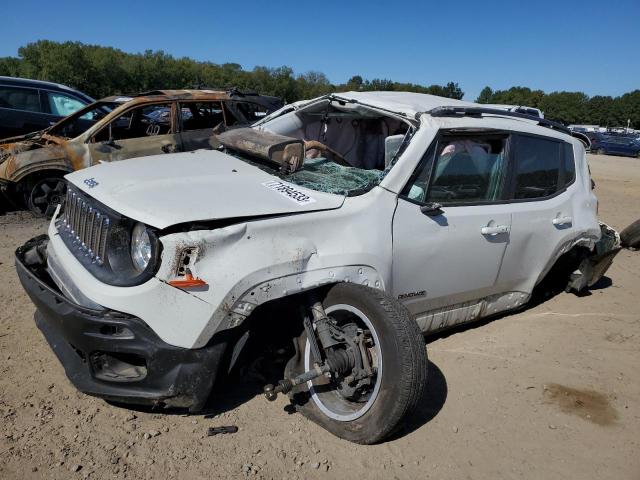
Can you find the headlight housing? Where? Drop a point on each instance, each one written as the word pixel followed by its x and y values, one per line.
pixel 116 249
pixel 140 247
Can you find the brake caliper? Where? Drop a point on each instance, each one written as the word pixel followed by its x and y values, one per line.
pixel 346 357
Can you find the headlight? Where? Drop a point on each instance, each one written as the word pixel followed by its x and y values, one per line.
pixel 140 247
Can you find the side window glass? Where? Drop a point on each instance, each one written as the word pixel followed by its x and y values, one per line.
pixel 569 164
pixel 20 99
pixel 201 115
pixel 466 169
pixel 537 167
pixel 145 121
pixel 63 105
pixel 251 111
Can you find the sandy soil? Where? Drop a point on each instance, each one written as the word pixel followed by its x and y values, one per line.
pixel 551 392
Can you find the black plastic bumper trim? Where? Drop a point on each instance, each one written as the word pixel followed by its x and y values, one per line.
pixel 178 377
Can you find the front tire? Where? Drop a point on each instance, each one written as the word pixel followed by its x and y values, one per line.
pixel 397 351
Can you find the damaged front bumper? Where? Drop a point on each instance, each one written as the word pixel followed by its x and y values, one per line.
pixel 114 355
pixel 593 267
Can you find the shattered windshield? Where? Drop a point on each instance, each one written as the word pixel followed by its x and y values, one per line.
pixel 81 121
pixel 324 175
pixel 327 176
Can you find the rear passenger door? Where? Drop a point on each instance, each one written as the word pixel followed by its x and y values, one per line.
pixel 542 188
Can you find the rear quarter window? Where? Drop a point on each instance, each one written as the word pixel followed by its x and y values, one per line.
pixel 539 163
pixel 569 164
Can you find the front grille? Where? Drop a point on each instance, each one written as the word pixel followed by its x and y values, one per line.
pixel 86 226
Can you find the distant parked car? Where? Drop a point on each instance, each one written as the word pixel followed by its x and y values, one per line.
pixel 30 105
pixel 117 128
pixel 615 145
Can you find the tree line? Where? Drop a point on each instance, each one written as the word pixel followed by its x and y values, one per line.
pixel 572 107
pixel 102 71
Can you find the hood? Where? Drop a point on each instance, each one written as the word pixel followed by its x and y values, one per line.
pixel 169 189
pixel 32 141
pixel 21 138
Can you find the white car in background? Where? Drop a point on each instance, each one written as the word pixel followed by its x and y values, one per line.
pixel 351 224
pixel 536 112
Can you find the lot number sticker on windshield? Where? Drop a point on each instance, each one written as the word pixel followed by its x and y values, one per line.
pixel 290 192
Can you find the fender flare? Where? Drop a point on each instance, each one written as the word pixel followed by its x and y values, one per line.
pixel 239 304
pixel 21 173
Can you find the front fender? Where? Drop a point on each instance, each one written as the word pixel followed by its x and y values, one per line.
pixel 65 157
pixel 244 268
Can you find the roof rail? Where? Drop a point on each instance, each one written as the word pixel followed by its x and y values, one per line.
pixel 479 111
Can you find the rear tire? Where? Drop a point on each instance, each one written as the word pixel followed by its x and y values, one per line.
pixel 400 357
pixel 630 236
pixel 45 195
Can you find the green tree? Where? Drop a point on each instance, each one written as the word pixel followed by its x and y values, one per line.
pixel 485 95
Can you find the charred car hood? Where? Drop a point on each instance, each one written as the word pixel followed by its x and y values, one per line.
pixel 203 185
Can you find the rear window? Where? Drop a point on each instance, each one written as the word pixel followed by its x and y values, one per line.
pixel 27 99
pixel 251 111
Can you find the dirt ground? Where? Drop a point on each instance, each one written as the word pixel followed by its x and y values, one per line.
pixel 550 392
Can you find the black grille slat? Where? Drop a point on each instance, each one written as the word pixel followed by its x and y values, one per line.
pixel 87 226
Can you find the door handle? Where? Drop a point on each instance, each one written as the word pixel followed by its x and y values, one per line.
pixel 495 230
pixel 169 148
pixel 562 221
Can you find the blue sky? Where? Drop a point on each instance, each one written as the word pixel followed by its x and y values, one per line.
pixel 590 46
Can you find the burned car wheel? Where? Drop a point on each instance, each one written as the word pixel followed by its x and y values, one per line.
pixel 366 404
pixel 45 194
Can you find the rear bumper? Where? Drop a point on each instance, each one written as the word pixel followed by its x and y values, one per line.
pixel 114 355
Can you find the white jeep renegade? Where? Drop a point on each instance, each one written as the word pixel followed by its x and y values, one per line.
pixel 379 216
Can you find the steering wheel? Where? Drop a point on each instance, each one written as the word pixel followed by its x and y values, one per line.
pixel 335 156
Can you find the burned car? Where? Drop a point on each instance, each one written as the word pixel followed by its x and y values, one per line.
pixel 360 221
pixel 118 128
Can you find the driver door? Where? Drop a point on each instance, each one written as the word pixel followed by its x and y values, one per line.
pixel 449 258
pixel 141 131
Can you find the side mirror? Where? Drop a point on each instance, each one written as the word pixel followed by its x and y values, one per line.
pixel 432 209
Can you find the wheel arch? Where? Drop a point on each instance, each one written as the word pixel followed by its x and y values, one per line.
pixel 33 175
pixel 241 301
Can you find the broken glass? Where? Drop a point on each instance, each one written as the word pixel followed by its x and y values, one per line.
pixel 327 176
